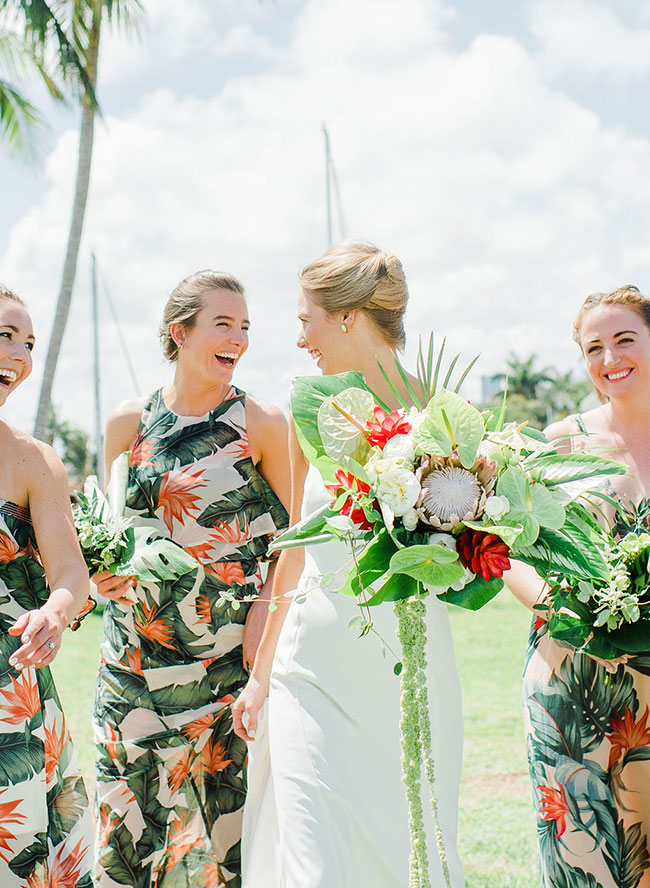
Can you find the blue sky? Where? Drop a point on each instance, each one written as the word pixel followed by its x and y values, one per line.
pixel 501 150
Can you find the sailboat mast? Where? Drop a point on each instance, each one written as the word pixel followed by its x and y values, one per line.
pixel 328 164
pixel 96 385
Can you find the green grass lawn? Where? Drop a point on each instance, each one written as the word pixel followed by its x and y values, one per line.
pixel 497 828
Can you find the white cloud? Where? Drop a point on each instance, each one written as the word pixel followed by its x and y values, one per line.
pixel 590 39
pixel 507 201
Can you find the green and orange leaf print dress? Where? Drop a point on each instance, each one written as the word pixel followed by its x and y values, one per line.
pixel 170 771
pixel 46 830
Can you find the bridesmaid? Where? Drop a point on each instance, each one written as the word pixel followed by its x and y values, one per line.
pixel 45 823
pixel 209 470
pixel 583 716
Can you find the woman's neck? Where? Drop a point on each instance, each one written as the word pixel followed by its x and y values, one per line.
pixel 187 397
pixel 371 362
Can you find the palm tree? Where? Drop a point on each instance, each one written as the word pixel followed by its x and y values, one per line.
pixel 86 28
pixel 523 378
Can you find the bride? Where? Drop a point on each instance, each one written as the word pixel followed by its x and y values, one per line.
pixel 326 807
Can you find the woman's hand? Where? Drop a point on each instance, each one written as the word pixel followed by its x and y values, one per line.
pixel 253 628
pixel 40 632
pixel 119 589
pixel 247 706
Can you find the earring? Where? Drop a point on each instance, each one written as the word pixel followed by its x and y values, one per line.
pixel 344 327
pixel 179 345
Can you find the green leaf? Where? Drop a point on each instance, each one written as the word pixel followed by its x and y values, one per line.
pixel 25 863
pixel 432 565
pixel 20 758
pixel 311 530
pixel 560 468
pixel 565 551
pixel 394 589
pixel 475 594
pixel 339 436
pixel 156 559
pixel 454 425
pixel 637 754
pixel 397 668
pixel 508 533
pixel 370 566
pixel 307 395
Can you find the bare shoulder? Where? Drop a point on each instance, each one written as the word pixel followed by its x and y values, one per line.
pixel 123 421
pixel 263 418
pixel 36 463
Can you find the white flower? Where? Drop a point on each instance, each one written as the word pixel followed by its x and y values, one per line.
pixel 443 539
pixel 496 507
pixel 399 489
pixel 377 466
pixel 416 418
pixel 400 447
pixel 410 519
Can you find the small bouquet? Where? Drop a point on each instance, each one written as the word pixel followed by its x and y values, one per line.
pixel 610 617
pixel 435 497
pixel 109 541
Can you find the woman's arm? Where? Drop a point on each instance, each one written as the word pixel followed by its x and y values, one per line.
pixel 288 571
pixel 49 505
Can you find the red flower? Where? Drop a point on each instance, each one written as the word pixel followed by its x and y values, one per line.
pixel 351 507
pixel 554 807
pixel 386 426
pixel 483 553
pixel 627 734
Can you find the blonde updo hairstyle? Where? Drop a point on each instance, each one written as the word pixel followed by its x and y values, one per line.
pixel 186 301
pixel 7 295
pixel 357 276
pixel 629 297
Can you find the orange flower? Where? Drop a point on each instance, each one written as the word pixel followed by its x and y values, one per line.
pixel 627 734
pixel 66 870
pixel 239 448
pixel 54 744
pixel 213 757
pixel 211 875
pixel 8 815
pixel 142 451
pixel 9 548
pixel 554 807
pixel 24 701
pixel 226 533
pixel 203 609
pixel 184 834
pixel 229 572
pixel 154 630
pixel 106 820
pixel 135 661
pixel 193 730
pixel 178 773
pixel 176 498
pixel 111 744
pixel 208 661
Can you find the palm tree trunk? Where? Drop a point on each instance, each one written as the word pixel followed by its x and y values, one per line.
pixel 84 161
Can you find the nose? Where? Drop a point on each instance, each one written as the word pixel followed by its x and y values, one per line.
pixel 610 356
pixel 301 342
pixel 239 335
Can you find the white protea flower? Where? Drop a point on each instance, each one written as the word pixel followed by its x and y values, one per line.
pixel 451 493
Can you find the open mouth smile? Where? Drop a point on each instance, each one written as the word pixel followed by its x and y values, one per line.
pixel 315 353
pixel 620 374
pixel 228 359
pixel 7 377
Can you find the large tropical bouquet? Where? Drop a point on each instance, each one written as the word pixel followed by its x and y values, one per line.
pixel 436 497
pixel 610 617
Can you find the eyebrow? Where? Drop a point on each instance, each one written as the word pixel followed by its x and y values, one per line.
pixel 621 333
pixel 16 330
pixel 229 318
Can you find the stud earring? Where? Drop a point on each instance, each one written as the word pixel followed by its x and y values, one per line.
pixel 179 345
pixel 344 327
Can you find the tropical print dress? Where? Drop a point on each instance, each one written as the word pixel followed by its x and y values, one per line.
pixel 171 775
pixel 588 737
pixel 46 829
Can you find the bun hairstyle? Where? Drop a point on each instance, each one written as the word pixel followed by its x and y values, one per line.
pixel 629 297
pixel 7 295
pixel 357 276
pixel 186 301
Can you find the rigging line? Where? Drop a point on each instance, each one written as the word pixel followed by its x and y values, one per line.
pixel 339 205
pixel 120 335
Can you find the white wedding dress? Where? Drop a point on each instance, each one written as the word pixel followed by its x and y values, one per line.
pixel 326 806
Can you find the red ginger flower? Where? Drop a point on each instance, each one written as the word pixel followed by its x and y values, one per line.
pixel 347 481
pixel 554 807
pixel 483 553
pixel 387 425
pixel 627 734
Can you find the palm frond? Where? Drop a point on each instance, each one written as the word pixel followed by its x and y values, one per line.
pixel 21 125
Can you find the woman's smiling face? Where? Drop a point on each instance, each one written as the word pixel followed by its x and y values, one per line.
pixel 218 337
pixel 16 344
pixel 321 335
pixel 616 344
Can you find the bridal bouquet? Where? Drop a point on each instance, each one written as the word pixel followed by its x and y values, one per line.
pixel 436 497
pixel 109 541
pixel 610 618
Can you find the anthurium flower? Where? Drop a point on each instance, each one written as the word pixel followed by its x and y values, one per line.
pixel 386 426
pixel 483 553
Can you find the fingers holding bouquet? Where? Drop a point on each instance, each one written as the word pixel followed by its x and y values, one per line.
pixel 116 588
